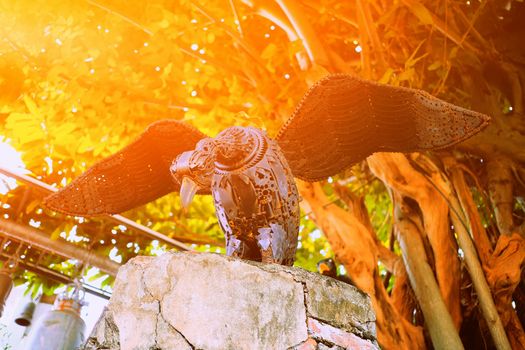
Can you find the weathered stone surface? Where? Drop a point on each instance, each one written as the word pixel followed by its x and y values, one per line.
pixel 347 308
pixel 308 344
pixel 105 335
pixel 333 301
pixel 327 333
pixel 209 301
pixel 322 346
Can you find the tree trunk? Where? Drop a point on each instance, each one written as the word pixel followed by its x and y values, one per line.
pixel 396 172
pixel 354 246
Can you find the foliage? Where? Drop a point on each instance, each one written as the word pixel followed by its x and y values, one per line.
pixel 85 78
pixel 81 79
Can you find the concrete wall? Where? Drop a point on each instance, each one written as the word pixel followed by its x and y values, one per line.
pixel 209 301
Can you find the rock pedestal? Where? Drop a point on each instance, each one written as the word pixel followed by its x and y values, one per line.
pixel 210 301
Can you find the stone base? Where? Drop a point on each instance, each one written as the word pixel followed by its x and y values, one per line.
pixel 210 301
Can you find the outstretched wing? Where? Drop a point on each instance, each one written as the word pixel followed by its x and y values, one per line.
pixel 137 174
pixel 343 119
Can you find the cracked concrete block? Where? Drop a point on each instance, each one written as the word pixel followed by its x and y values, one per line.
pixel 169 338
pixel 326 333
pixel 347 308
pixel 322 346
pixel 308 344
pixel 220 303
pixel 104 334
pixel 333 301
pixel 210 301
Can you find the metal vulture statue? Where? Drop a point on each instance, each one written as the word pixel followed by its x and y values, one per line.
pixel 340 121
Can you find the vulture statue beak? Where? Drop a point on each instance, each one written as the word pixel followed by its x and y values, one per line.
pixel 194 170
pixel 188 188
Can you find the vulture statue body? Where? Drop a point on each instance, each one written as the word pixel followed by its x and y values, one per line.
pixel 340 121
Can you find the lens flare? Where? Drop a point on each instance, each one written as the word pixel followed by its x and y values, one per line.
pixel 10 159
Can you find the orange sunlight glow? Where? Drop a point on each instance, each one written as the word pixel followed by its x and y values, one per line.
pixel 10 159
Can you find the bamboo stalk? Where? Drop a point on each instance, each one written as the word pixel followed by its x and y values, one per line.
pixel 463 228
pixel 500 191
pixel 488 308
pixel 274 13
pixel 437 318
pixel 481 241
pixel 313 46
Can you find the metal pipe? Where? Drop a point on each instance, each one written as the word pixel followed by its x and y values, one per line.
pixel 58 277
pixel 40 240
pixel 116 218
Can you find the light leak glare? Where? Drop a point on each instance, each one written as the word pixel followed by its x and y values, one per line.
pixel 34 223
pixel 158 250
pixel 316 234
pixel 10 159
pixel 113 255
